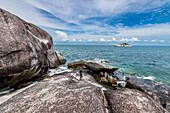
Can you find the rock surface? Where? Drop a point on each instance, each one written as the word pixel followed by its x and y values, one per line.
pixel 26 51
pixel 71 92
pixel 77 65
pixel 132 101
pixel 93 66
pixel 159 92
pixel 96 67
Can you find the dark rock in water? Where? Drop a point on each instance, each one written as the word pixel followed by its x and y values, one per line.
pixel 93 66
pixel 77 65
pixel 96 67
pixel 68 93
pixel 26 51
pixel 60 58
pixel 105 61
pixel 159 92
pixel 132 101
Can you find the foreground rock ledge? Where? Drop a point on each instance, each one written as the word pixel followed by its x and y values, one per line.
pixel 71 92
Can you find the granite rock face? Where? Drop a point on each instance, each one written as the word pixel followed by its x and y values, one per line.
pixel 72 92
pixel 159 92
pixel 26 51
pixel 132 101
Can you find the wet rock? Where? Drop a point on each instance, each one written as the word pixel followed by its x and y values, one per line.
pixel 104 80
pixel 105 61
pixel 101 73
pixel 66 92
pixel 61 58
pixel 97 67
pixel 77 65
pixel 111 80
pixel 132 101
pixel 159 92
pixel 106 75
pixel 26 51
pixel 93 66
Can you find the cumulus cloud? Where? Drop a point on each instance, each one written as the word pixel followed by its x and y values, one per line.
pixel 74 40
pixel 153 40
pixel 114 39
pixel 133 39
pixel 69 15
pixel 102 40
pixel 162 41
pixel 62 36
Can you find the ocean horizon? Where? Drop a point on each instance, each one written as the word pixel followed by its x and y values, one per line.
pixel 149 62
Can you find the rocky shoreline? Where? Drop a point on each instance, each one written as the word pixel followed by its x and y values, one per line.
pixel 32 80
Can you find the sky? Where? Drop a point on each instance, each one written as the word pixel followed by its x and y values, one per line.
pixel 140 22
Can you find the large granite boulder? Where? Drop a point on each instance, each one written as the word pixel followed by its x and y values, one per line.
pixel 26 51
pixel 132 101
pixel 76 93
pixel 159 92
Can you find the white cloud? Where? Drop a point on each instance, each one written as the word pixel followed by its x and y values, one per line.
pixel 92 40
pixel 80 40
pixel 76 11
pixel 61 36
pixel 149 31
pixel 102 40
pixel 146 40
pixel 162 41
pixel 114 39
pixel 153 40
pixel 74 40
pixel 133 39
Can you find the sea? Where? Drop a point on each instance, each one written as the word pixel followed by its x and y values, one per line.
pixel 150 62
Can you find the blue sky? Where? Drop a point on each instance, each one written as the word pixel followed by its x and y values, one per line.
pixel 141 22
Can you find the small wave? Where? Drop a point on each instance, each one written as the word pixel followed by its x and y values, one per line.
pixel 149 77
pixel 61 69
pixel 123 83
pixel 99 60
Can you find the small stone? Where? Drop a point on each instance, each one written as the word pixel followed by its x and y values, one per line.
pixel 101 73
pixel 111 80
pixel 120 85
pixel 105 61
pixel 114 85
pixel 104 80
pixel 106 75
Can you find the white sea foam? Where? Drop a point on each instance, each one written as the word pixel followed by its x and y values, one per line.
pixel 61 69
pixel 98 60
pixel 149 77
pixel 123 83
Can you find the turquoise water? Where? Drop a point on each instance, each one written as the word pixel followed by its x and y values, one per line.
pixel 140 61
